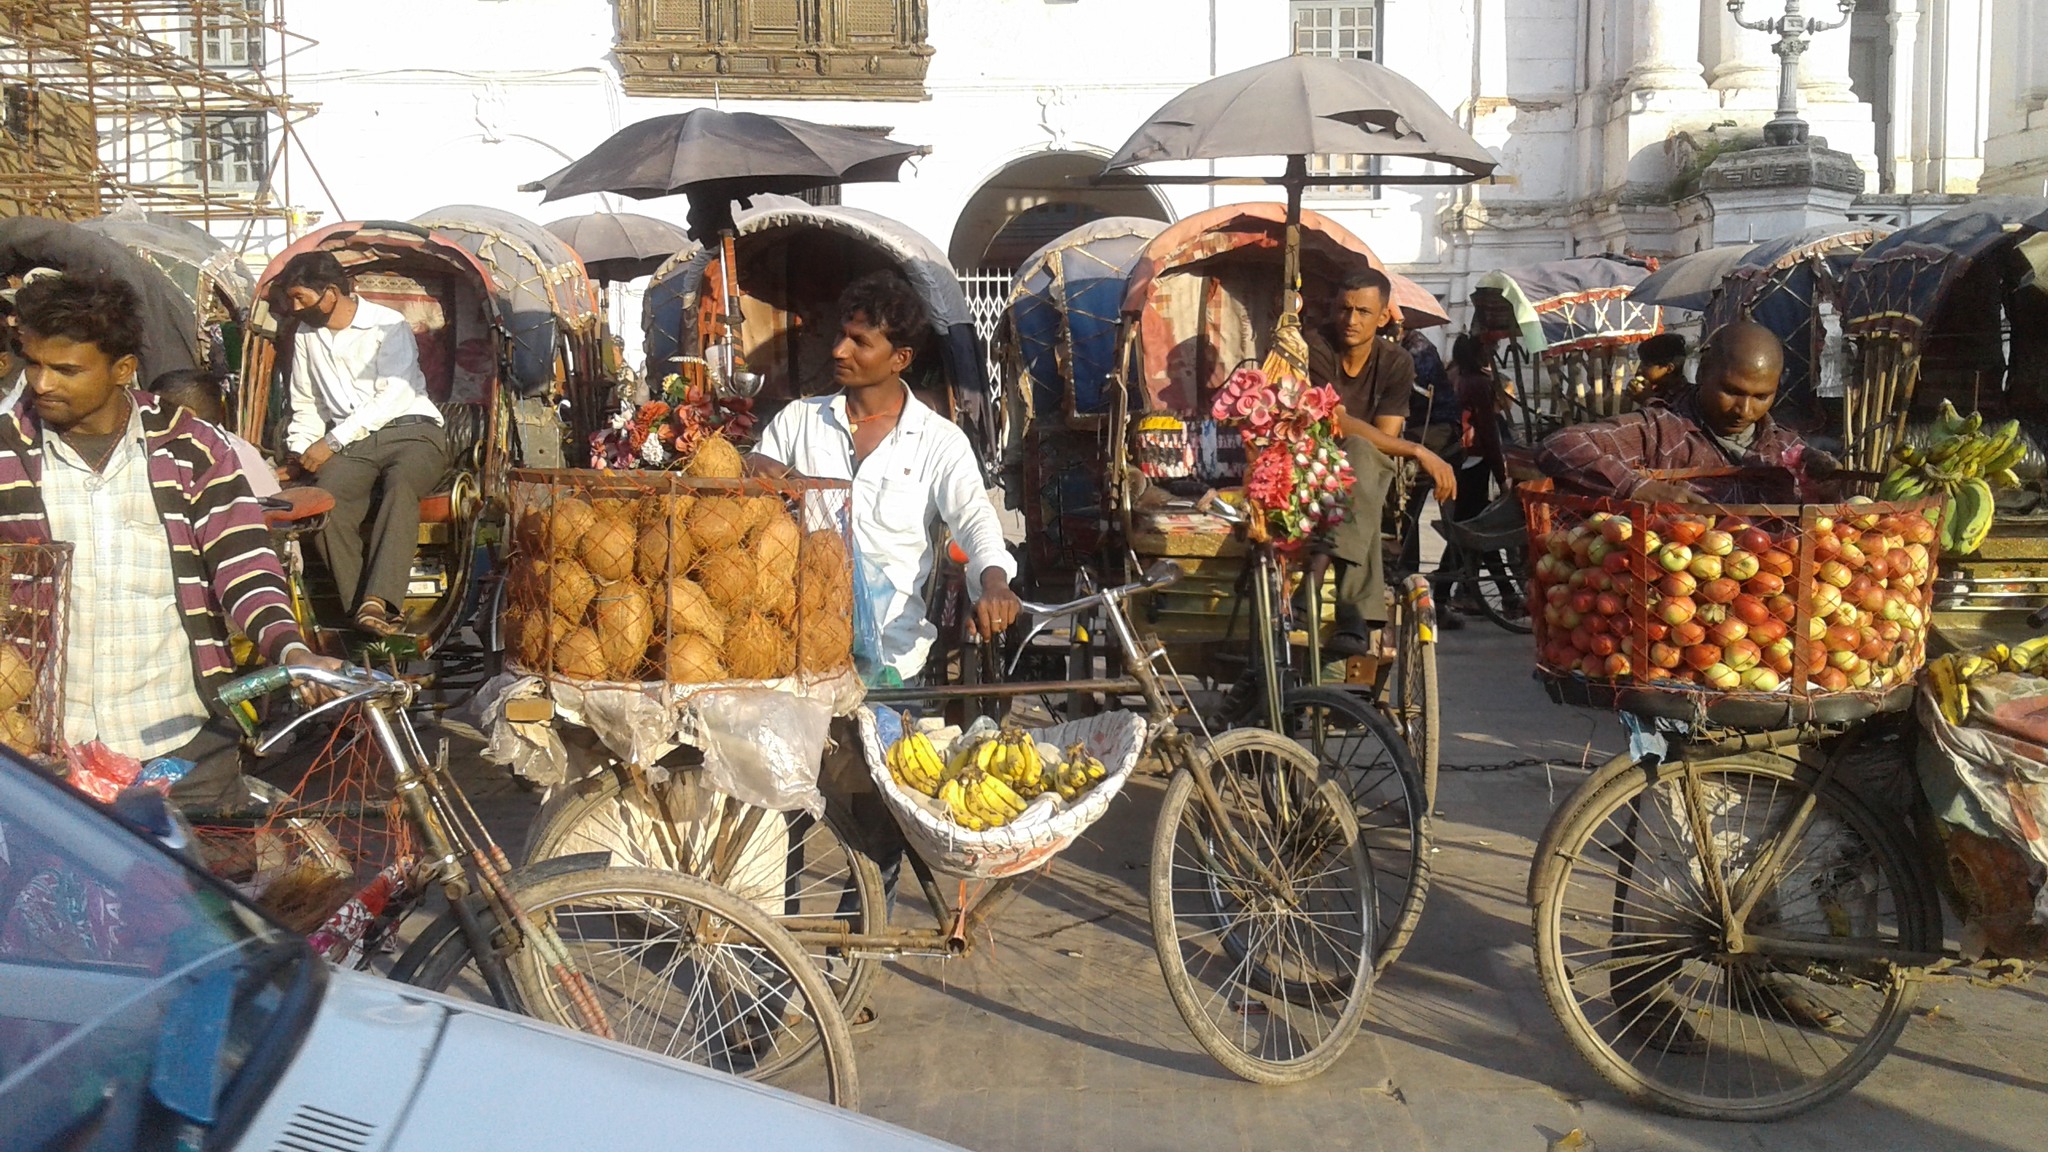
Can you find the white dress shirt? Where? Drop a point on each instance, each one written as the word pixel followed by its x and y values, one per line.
pixel 349 383
pixel 128 676
pixel 923 471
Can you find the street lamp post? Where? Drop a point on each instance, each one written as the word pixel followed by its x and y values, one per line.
pixel 1793 30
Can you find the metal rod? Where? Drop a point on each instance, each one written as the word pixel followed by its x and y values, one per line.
pixel 1121 686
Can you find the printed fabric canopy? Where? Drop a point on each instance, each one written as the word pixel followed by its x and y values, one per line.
pixel 1064 311
pixel 1902 282
pixel 1583 302
pixel 542 290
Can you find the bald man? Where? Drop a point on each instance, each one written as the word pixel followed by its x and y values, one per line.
pixel 1724 422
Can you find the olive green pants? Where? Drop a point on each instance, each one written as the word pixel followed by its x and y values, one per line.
pixel 1355 545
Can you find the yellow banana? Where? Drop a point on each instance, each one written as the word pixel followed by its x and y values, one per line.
pixel 1006 796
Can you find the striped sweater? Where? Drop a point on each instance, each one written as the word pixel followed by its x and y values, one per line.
pixel 220 548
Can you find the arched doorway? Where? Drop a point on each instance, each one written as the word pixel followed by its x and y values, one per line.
pixel 1035 200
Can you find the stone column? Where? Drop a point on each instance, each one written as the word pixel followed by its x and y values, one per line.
pixel 1667 47
pixel 1824 70
pixel 1907 108
pixel 1740 64
pixel 2016 155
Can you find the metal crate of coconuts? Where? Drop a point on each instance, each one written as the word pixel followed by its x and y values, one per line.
pixel 1744 615
pixel 33 625
pixel 687 578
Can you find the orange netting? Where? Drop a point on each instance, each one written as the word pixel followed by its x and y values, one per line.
pixel 663 577
pixel 1803 600
pixel 33 615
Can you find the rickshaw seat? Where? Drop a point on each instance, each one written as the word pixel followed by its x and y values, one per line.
pixel 295 505
pixel 438 509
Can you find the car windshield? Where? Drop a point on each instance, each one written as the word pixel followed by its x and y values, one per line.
pixel 134 992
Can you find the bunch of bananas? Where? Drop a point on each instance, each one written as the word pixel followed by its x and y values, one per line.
pixel 1076 772
pixel 1964 463
pixel 914 762
pixel 1949 676
pixel 990 781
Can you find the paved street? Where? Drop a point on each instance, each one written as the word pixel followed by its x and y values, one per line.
pixel 1057 1033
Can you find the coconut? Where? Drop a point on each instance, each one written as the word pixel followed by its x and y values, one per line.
pixel 774 592
pixel 824 643
pixel 624 623
pixel 531 634
pixel 616 508
pixel 568 520
pixel 824 551
pixel 716 459
pixel 18 732
pixel 607 549
pixel 17 677
pixel 570 587
pixel 664 551
pixel 755 649
pixel 760 509
pixel 827 592
pixel 717 523
pixel 687 610
pixel 579 656
pixel 692 660
pixel 729 578
pixel 652 509
pixel 776 542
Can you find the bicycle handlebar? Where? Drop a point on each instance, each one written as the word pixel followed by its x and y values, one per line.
pixel 1161 574
pixel 277 677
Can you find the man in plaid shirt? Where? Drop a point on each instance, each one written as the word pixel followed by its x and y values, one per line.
pixel 1725 422
pixel 169 544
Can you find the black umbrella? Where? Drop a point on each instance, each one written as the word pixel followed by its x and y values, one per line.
pixel 716 157
pixel 1299 107
pixel 1690 281
pixel 620 246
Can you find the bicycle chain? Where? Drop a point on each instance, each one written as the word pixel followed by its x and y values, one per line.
pixel 1510 765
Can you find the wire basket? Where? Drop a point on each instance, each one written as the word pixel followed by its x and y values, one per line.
pixel 33 622
pixel 657 577
pixel 1753 615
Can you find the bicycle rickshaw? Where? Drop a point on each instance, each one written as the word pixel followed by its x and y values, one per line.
pixel 508 334
pixel 1560 335
pixel 1736 926
pixel 1947 310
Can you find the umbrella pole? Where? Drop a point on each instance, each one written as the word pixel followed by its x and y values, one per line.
pixel 1297 179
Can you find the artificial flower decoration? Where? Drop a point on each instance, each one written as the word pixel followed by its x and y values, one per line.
pixel 1299 474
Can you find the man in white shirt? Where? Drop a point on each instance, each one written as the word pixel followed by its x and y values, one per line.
pixel 909 467
pixel 361 423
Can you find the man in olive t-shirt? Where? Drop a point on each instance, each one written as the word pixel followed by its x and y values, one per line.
pixel 1373 379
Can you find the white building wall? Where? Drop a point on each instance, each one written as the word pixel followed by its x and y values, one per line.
pixel 428 103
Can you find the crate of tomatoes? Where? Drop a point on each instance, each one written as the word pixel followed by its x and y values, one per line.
pixel 1749 615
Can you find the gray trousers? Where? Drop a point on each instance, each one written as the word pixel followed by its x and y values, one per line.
pixel 1355 545
pixel 377 484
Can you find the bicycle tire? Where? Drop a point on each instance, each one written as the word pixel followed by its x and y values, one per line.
pixel 1656 1046
pixel 1285 1006
pixel 1361 750
pixel 1413 692
pixel 755 940
pixel 610 813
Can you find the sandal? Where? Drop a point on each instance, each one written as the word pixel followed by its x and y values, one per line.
pixel 378 620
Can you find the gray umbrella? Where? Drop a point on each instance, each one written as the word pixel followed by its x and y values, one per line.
pixel 1690 281
pixel 620 246
pixel 716 157
pixel 1298 107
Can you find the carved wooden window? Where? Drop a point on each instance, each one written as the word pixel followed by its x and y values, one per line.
pixel 848 49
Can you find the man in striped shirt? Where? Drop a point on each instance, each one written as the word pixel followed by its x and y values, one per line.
pixel 167 539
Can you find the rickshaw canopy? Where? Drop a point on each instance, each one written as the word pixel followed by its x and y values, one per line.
pixel 779 239
pixel 543 293
pixel 1582 302
pixel 170 328
pixel 1064 307
pixel 190 255
pixel 1904 282
pixel 1202 295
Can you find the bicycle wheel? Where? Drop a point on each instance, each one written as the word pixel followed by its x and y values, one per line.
pixel 678 966
pixel 1637 966
pixel 1355 746
pixel 798 869
pixel 1412 702
pixel 1497 578
pixel 1271 978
